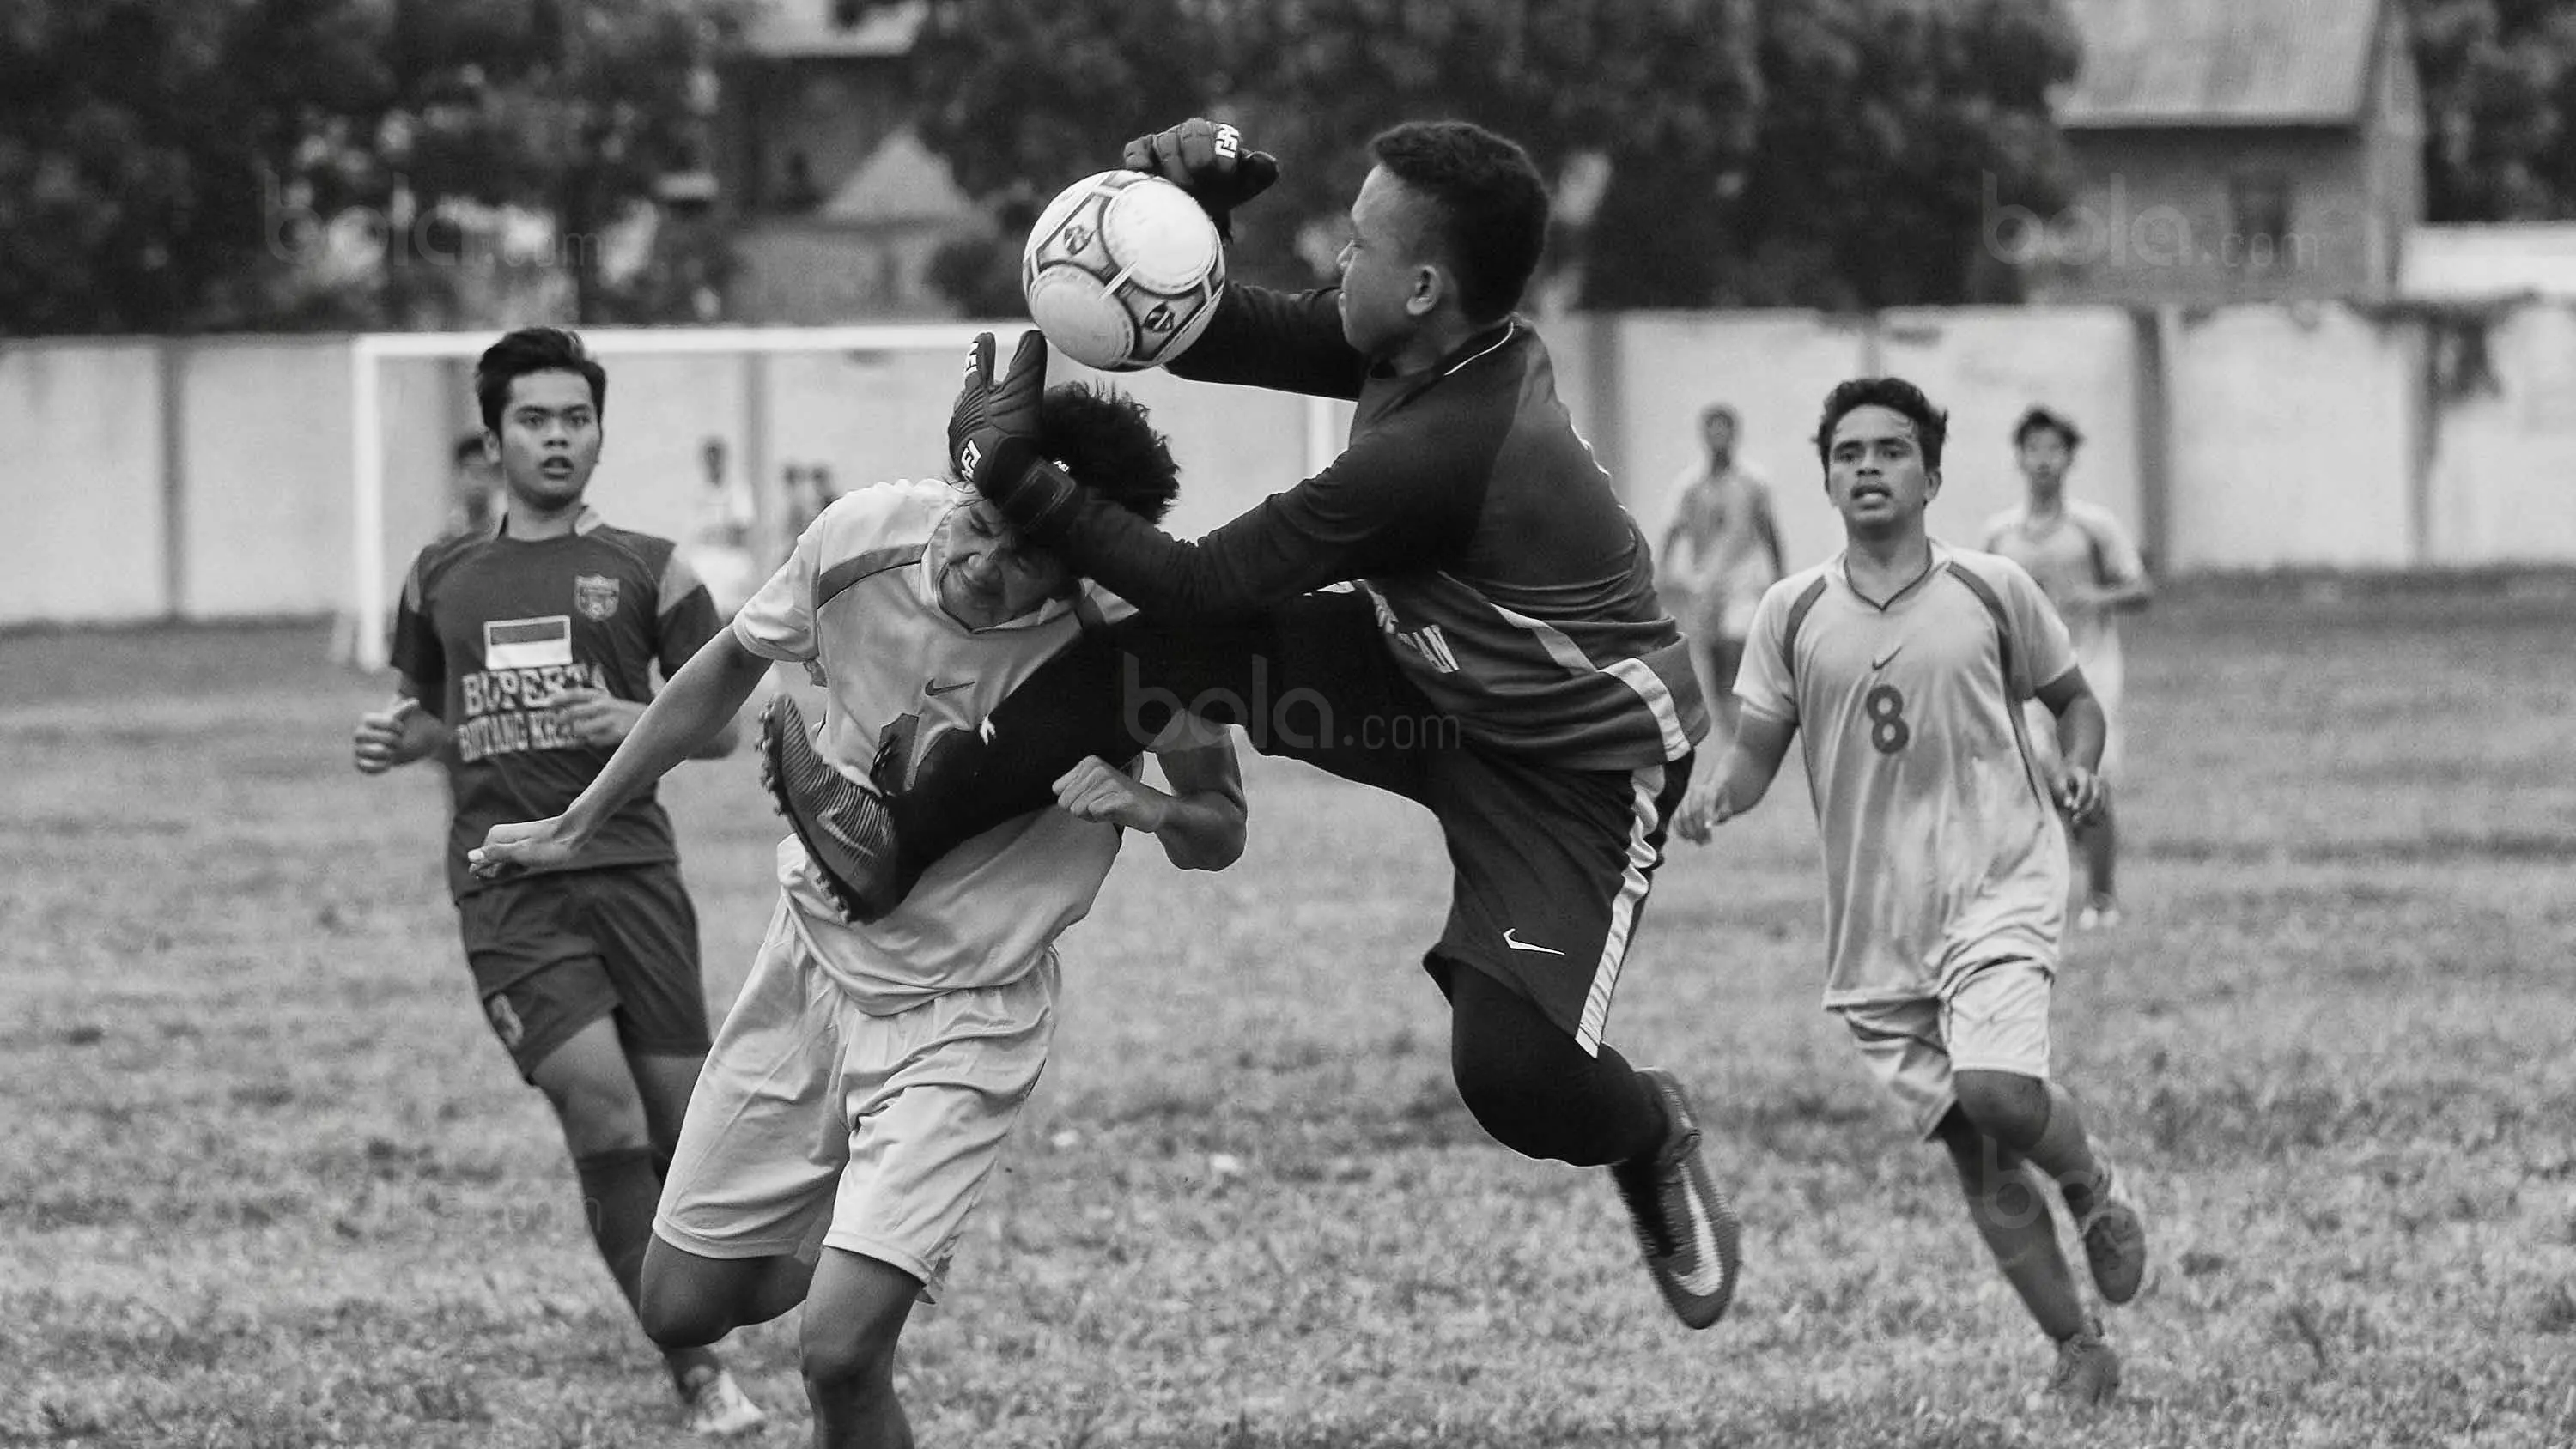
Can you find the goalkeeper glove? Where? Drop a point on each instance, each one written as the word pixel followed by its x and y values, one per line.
pixel 993 435
pixel 1207 160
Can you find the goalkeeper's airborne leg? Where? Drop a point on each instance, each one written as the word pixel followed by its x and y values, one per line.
pixel 967 782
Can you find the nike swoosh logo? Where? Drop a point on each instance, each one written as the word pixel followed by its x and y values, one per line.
pixel 934 689
pixel 1711 1275
pixel 1877 664
pixel 1526 946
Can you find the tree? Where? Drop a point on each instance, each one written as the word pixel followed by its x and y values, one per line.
pixel 1824 152
pixel 2499 84
pixel 219 164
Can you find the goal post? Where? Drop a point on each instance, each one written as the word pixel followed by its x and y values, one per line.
pixel 765 421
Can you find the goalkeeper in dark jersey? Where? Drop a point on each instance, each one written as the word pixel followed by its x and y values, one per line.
pixel 526 652
pixel 1502 658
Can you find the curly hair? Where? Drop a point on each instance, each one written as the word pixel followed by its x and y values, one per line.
pixel 1492 207
pixel 1103 439
pixel 1931 425
pixel 534 349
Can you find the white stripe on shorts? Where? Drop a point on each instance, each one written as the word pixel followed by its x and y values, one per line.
pixel 1648 784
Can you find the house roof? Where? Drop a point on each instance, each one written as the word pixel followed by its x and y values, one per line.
pixel 901 181
pixel 794 28
pixel 2221 62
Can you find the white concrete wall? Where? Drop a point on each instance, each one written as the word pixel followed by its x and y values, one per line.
pixel 2294 439
pixel 264 427
pixel 1986 367
pixel 81 516
pixel 1773 367
pixel 2502 487
pixel 2302 437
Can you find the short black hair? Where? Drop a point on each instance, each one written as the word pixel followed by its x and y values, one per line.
pixel 469 449
pixel 1720 410
pixel 1931 425
pixel 1103 439
pixel 534 349
pixel 1492 206
pixel 2042 420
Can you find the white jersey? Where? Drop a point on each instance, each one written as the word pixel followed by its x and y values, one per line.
pixel 1942 847
pixel 2083 547
pixel 858 604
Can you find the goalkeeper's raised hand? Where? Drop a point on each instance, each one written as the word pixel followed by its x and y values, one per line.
pixel 993 433
pixel 1206 159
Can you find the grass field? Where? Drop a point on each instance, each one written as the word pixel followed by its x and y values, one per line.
pixel 266 1181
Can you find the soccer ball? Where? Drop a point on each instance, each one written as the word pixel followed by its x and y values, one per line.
pixel 1122 271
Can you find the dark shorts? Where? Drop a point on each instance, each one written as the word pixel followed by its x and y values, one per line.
pixel 552 954
pixel 1551 865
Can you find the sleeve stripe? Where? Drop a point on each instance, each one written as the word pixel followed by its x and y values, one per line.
pixel 678 581
pixel 2012 688
pixel 1798 612
pixel 849 571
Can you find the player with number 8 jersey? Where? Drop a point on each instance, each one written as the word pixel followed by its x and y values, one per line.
pixel 1904 664
pixel 1907 711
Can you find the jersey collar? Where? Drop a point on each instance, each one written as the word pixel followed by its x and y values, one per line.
pixel 586 521
pixel 1841 572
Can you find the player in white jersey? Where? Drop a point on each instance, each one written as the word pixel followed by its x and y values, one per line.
pixel 1721 552
pixel 2089 568
pixel 861 1089
pixel 1903 665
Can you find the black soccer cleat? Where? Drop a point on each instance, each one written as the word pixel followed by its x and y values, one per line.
pixel 1685 1226
pixel 845 826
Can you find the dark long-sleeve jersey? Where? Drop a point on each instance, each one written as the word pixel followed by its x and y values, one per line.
pixel 1512 586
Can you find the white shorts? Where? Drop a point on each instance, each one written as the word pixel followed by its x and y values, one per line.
pixel 810 1110
pixel 1991 1017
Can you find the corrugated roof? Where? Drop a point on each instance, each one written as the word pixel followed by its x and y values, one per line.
pixel 2220 62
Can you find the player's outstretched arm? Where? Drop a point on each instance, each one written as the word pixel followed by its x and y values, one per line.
pixel 1740 780
pixel 396 735
pixel 701 700
pixel 2081 730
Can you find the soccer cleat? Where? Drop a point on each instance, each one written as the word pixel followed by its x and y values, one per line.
pixel 847 831
pixel 1685 1226
pixel 2115 1240
pixel 717 1406
pixel 2087 1372
pixel 2099 914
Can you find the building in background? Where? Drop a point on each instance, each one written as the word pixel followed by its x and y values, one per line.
pixel 837 208
pixel 2231 151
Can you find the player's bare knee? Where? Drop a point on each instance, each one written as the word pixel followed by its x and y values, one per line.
pixel 677 1313
pixel 848 1358
pixel 600 1110
pixel 2006 1106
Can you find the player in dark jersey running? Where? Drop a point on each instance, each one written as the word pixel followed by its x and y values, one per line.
pixel 1502 659
pixel 525 654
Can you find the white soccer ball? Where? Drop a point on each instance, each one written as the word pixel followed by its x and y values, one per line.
pixel 1122 271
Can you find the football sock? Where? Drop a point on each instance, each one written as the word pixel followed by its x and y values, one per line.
pixel 2005 1202
pixel 2017 1226
pixel 619 1191
pixel 1534 1090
